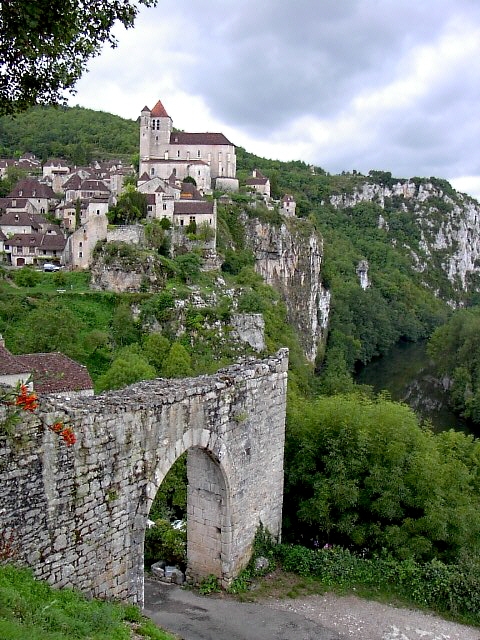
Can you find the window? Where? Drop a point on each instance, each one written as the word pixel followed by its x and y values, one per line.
pixel 164 206
pixel 80 254
pixel 199 155
pixel 178 153
pixel 80 244
pixel 181 222
pixel 152 171
pixel 31 250
pixel 192 218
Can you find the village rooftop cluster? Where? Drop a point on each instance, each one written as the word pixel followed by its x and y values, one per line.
pixel 58 214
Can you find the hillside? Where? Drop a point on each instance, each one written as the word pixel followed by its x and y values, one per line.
pixel 74 133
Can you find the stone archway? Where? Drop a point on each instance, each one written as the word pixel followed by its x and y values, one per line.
pixel 79 515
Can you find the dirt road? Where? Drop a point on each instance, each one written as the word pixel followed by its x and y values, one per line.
pixel 325 617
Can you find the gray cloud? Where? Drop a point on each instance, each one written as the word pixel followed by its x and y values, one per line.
pixel 362 73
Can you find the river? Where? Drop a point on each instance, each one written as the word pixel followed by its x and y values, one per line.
pixel 408 374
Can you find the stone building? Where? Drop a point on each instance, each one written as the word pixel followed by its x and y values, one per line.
pixel 205 157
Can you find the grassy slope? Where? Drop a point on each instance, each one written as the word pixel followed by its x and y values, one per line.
pixel 34 610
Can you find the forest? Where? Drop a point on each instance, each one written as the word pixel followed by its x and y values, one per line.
pixel 362 473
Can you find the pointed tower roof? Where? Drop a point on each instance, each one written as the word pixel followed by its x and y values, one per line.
pixel 145 109
pixel 158 111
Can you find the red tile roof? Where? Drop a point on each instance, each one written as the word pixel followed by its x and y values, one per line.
pixel 9 364
pixel 158 111
pixel 51 372
pixel 55 373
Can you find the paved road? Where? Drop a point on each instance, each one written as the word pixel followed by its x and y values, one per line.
pixel 194 617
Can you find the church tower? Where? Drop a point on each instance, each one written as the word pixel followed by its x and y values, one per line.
pixel 155 129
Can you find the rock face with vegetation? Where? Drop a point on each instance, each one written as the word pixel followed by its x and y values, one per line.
pixel 122 267
pixel 289 258
pixel 437 224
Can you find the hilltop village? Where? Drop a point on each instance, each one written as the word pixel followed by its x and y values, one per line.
pixel 58 213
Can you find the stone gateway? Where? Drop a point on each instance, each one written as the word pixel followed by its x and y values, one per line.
pixel 78 515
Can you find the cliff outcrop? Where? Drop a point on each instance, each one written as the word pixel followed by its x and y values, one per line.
pixel 289 258
pixel 446 238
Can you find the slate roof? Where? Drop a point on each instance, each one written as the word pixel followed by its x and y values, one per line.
pixel 21 219
pixel 181 137
pixel 73 182
pixel 192 207
pixel 47 241
pixel 29 188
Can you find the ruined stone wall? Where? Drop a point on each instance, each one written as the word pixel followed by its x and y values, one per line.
pixel 78 515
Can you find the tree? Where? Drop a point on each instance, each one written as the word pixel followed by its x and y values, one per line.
pixel 178 363
pixel 131 206
pixel 45 45
pixel 361 473
pixel 128 368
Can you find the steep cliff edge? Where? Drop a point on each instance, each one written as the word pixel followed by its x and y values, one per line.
pixel 289 258
pixel 444 241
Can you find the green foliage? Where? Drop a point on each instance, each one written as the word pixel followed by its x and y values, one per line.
pixel 124 330
pixel 32 609
pixel 361 473
pixel 157 236
pixel 167 543
pixel 27 277
pixel 451 589
pixel 178 363
pixel 209 585
pixel 45 46
pixel 170 502
pixel 455 348
pixel 128 367
pixel 75 133
pixel 130 208
pixel 188 266
pixel 235 261
pixel 155 348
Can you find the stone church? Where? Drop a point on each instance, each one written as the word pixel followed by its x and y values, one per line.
pixel 208 158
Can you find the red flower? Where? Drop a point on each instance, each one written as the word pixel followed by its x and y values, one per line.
pixel 26 401
pixel 57 427
pixel 68 436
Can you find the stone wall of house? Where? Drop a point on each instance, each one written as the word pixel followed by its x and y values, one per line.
pixel 78 515
pixel 132 234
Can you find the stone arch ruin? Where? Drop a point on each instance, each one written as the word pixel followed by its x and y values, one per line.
pixel 78 515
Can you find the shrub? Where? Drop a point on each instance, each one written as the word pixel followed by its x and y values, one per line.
pixel 27 277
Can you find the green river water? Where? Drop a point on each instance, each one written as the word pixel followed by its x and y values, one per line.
pixel 408 374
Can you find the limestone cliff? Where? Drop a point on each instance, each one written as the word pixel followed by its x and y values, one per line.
pixel 289 258
pixel 446 238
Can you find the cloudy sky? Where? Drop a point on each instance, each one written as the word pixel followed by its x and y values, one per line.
pixel 342 84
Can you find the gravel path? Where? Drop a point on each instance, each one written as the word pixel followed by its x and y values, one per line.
pixel 326 617
pixel 352 617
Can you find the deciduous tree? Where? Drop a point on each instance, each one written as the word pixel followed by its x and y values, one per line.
pixel 45 45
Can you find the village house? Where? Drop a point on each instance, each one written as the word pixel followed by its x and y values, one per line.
pixel 40 195
pixel 288 205
pixel 46 373
pixel 24 249
pixel 208 158
pixel 259 183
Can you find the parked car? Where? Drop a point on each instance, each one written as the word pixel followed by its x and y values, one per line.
pixel 49 266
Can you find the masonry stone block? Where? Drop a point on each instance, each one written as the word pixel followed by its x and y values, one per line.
pixel 78 515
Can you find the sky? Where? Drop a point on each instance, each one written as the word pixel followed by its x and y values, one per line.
pixel 342 84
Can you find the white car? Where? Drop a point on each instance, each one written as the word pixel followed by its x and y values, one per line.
pixel 49 266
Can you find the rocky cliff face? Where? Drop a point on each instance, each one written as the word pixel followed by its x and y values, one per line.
pixel 447 223
pixel 289 258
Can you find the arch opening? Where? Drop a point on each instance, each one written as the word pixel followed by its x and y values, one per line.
pixel 188 523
